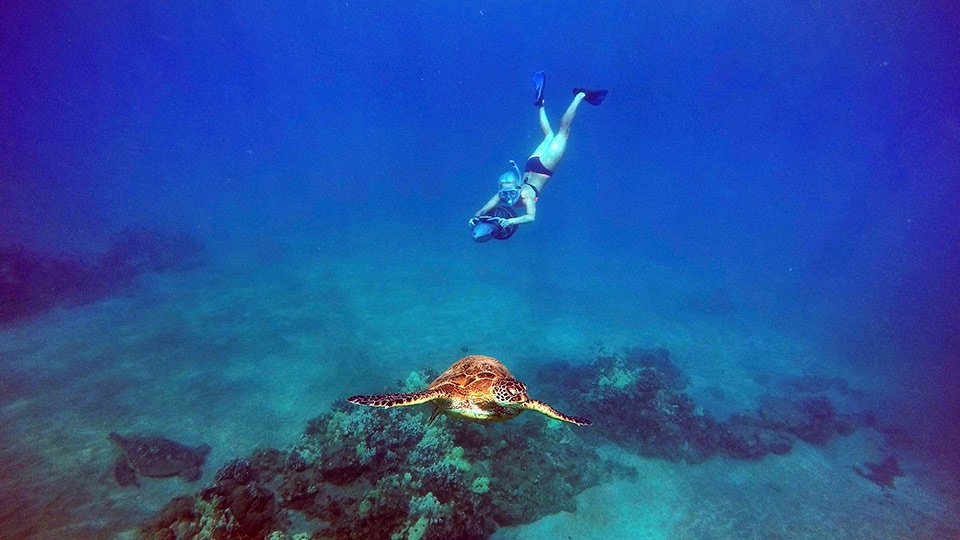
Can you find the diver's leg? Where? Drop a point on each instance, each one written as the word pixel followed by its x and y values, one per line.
pixel 551 150
pixel 567 119
pixel 548 134
pixel 544 146
pixel 545 123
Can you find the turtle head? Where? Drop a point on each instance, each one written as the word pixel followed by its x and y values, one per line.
pixel 510 392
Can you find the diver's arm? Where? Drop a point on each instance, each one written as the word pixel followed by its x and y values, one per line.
pixel 490 204
pixel 531 206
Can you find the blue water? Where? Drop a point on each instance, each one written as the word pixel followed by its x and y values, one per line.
pixel 802 155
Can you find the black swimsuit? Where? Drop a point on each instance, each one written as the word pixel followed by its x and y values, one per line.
pixel 533 187
pixel 534 165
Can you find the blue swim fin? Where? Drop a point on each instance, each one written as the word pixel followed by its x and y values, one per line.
pixel 538 79
pixel 594 97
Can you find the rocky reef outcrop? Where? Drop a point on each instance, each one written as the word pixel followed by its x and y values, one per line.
pixel 638 401
pixel 367 473
pixel 32 282
pixel 364 473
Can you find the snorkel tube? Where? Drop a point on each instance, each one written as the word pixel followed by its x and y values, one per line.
pixel 488 225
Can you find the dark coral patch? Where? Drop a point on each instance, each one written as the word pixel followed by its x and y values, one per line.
pixel 882 473
pixel 362 473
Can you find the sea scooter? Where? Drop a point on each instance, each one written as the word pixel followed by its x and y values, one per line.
pixel 488 225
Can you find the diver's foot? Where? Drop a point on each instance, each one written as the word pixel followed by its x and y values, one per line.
pixel 593 97
pixel 538 79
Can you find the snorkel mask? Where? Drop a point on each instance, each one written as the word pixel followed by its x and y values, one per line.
pixel 510 194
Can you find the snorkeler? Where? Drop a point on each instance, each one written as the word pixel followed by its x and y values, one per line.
pixel 524 189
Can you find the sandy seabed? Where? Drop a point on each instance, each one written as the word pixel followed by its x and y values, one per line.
pixel 240 353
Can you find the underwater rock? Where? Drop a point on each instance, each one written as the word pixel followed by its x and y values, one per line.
pixel 245 513
pixel 812 419
pixel 238 505
pixel 745 437
pixel 156 457
pixel 636 405
pixel 779 421
pixel 32 282
pixel 638 402
pixel 882 473
pixel 536 471
pixel 358 472
pixel 659 360
pixel 365 473
pixel 235 472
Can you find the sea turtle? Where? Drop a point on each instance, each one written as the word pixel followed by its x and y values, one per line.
pixel 156 457
pixel 476 388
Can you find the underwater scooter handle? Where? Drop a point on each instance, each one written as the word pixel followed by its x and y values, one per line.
pixel 488 226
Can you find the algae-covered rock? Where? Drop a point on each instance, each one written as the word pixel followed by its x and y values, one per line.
pixel 365 473
pixel 636 400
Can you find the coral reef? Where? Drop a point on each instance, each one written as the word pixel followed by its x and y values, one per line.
pixel 385 473
pixel 364 473
pixel 637 402
pixel 32 282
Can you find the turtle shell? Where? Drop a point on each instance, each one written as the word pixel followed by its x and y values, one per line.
pixel 157 457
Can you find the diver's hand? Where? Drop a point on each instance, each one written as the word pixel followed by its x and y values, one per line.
pixel 473 221
pixel 503 222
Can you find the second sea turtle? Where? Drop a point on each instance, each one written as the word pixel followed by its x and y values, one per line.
pixel 156 457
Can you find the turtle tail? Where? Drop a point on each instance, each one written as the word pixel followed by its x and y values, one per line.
pixel 543 408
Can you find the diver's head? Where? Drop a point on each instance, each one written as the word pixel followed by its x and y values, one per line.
pixel 509 179
pixel 509 187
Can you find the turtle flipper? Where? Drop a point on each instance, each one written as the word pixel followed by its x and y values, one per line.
pixel 434 415
pixel 124 473
pixel 543 408
pixel 191 474
pixel 398 400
